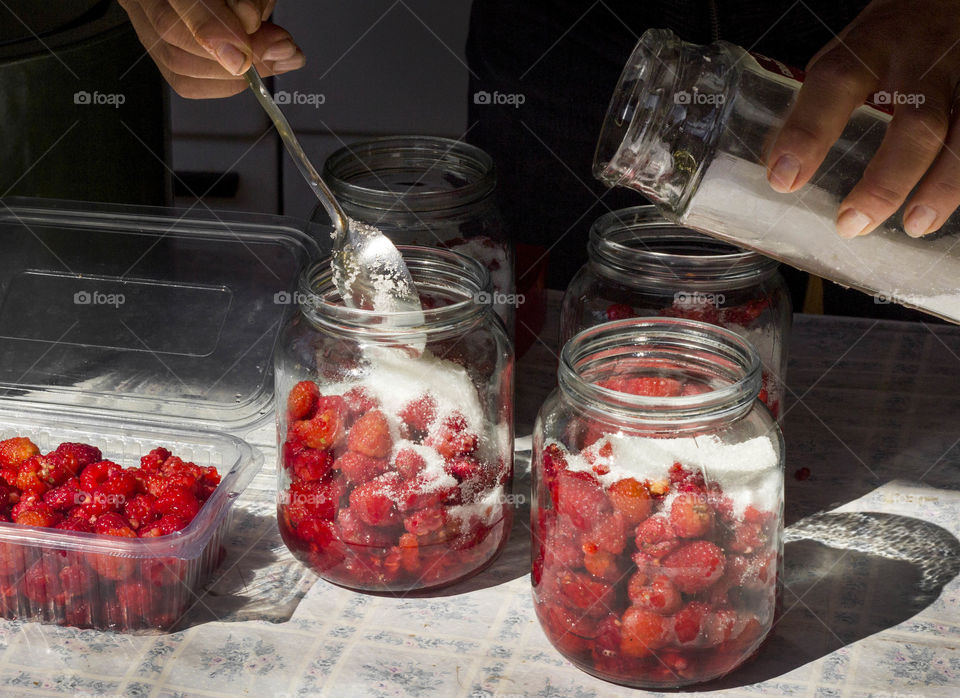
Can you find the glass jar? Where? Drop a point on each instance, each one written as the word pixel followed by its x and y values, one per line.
pixel 690 127
pixel 658 500
pixel 395 431
pixel 641 264
pixel 430 191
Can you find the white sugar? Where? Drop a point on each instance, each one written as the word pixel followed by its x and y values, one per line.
pixel 748 472
pixel 488 509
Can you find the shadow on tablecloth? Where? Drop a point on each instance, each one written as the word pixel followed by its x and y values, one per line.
pixel 848 576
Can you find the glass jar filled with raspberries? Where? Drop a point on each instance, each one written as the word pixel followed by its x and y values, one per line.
pixel 395 430
pixel 658 497
pixel 640 264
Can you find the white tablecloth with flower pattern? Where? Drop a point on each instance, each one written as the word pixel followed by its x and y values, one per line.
pixel 871 607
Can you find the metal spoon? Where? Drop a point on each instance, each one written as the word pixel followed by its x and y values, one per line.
pixel 368 270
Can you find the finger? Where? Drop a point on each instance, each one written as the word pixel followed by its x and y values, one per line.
pixel 837 84
pixel 167 25
pixel 912 142
pixel 218 30
pixel 268 9
pixel 248 12
pixel 939 193
pixel 274 44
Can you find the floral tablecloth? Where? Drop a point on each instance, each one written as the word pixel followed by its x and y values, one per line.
pixel 871 607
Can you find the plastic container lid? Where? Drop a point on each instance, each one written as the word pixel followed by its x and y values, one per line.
pixel 147 314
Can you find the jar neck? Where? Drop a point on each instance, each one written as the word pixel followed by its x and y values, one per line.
pixel 723 367
pixel 665 116
pixel 454 289
pixel 638 246
pixel 421 177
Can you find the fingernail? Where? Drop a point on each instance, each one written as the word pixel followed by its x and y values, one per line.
pixel 231 58
pixel 784 173
pixel 248 14
pixel 280 51
pixel 852 223
pixel 919 220
pixel 297 61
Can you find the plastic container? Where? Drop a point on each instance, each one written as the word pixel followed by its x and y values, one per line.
pixel 658 503
pixel 396 431
pixel 690 127
pixel 641 264
pixel 129 329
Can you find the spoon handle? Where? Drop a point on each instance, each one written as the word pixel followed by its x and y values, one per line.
pixel 320 188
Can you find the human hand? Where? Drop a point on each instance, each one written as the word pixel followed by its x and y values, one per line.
pixel 202 46
pixel 909 47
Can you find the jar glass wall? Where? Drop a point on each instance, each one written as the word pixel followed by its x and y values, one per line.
pixel 658 499
pixel 395 431
pixel 641 264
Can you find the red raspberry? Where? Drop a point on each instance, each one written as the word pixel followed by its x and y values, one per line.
pixel 121 486
pixel 569 632
pixel 619 311
pixel 608 533
pixel 589 595
pixel 419 414
pixel 153 461
pixel 57 467
pixel 452 438
pixel 602 565
pixel 802 473
pixel 325 429
pixel 747 538
pixel 135 599
pixel 75 523
pixel 743 315
pixel 409 463
pixel 302 400
pixel 358 468
pixel 354 531
pixel 178 501
pixel 304 463
pixel 689 620
pixel 579 496
pixel 424 521
pixel 419 493
pixel 38 514
pixel 553 461
pixel 409 552
pixel 113 524
pixel 29 479
pixel 370 435
pixel 165 525
pixel 358 402
pixel 79 455
pixel 642 632
pixel 64 497
pixel 318 531
pixel 690 515
pixel 631 499
pixel 141 510
pixel 655 538
pixel 606 645
pixel 704 312
pixel 96 474
pixel 660 596
pixel 319 499
pixel 16 450
pixel 76 580
pixel 40 584
pixel 647 386
pixel 684 480
pixel 464 469
pixel 372 504
pixel 694 566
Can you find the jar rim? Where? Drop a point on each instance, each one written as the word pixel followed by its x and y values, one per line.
pixel 639 240
pixel 658 341
pixel 473 173
pixel 463 279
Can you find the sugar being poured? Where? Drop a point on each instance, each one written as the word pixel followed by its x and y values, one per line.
pixel 376 257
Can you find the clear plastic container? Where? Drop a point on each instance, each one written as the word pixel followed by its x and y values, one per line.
pixel 690 127
pixel 396 431
pixel 658 503
pixel 128 329
pixel 429 191
pixel 641 264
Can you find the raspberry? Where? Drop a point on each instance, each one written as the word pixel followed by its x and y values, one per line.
pixel 358 403
pixel 38 514
pixel 135 599
pixel 141 510
pixel 424 521
pixel 76 580
pixel 372 504
pixel 589 595
pixel 358 468
pixel 113 524
pixel 75 523
pixel 690 515
pixel 179 502
pixel 419 414
pixel 153 461
pixel 319 499
pixel 409 463
pixel 318 531
pixel 304 463
pixel 325 428
pixel 607 534
pixel 747 538
pixel 370 435
pixel 464 469
pixel 28 478
pixel 642 632
pixel 702 311
pixel 409 552
pixel 64 497
pixel 302 400
pixel 353 531
pixel 39 584
pixel 579 496
pixel 452 438
pixel 802 473
pixel 660 596
pixel 79 455
pixel 553 461
pixel 121 485
pixel 419 493
pixel 694 566
pixel 96 474
pixel 619 311
pixel 164 526
pixel 656 538
pixel 743 315
pixel 16 450
pixel 631 499
pixel 602 565
pixel 689 620
pixel 684 480
pixel 647 386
